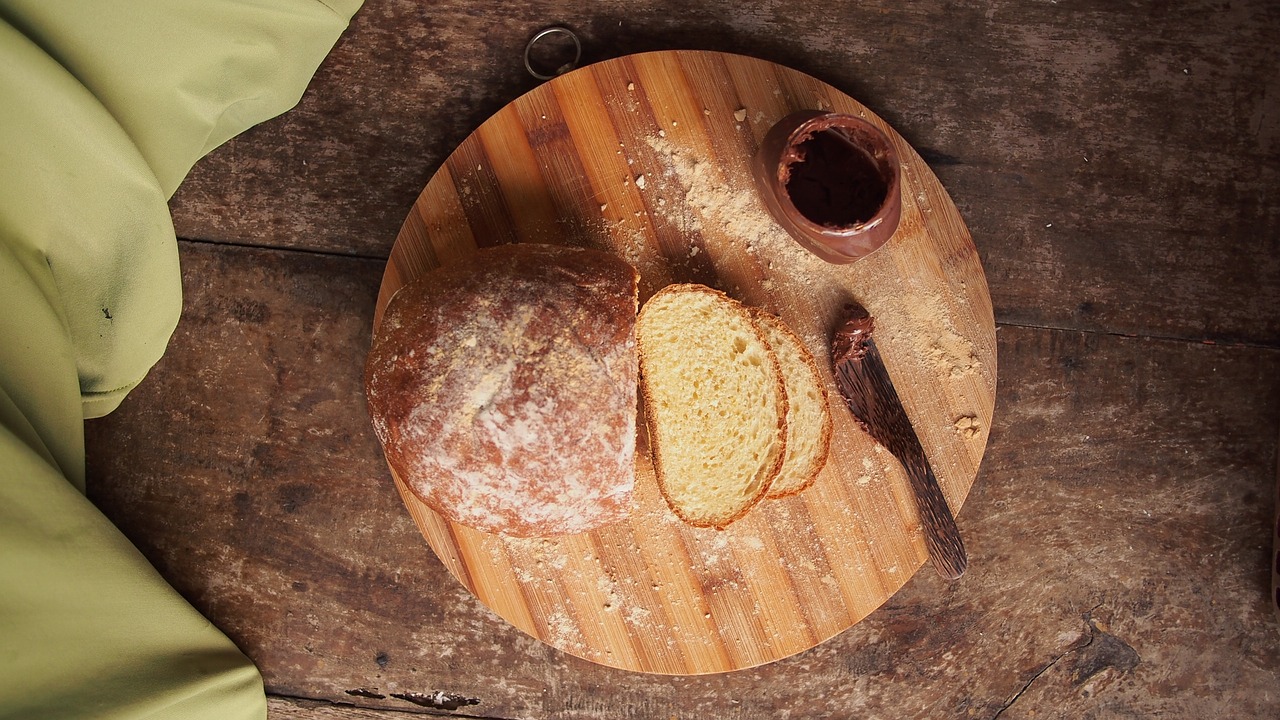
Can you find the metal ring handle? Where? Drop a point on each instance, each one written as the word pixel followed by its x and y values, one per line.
pixel 555 30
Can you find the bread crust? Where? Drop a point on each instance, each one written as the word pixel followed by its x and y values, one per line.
pixel 503 389
pixel 655 436
pixel 824 439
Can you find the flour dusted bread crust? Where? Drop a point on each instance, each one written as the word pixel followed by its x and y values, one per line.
pixel 715 403
pixel 503 389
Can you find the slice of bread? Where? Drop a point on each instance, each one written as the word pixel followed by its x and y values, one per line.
pixel 715 402
pixel 808 414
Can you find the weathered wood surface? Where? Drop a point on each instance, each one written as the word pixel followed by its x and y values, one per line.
pixel 1118 532
pixel 1116 165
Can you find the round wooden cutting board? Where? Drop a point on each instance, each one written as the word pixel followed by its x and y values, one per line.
pixel 648 156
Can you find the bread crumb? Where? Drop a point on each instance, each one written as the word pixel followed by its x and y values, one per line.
pixel 967 426
pixel 740 114
pixel 631 86
pixel 640 181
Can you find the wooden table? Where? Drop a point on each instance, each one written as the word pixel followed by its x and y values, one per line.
pixel 1118 168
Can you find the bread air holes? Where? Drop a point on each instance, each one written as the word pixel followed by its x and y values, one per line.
pixel 739 345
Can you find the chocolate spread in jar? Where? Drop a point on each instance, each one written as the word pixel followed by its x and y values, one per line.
pixel 834 183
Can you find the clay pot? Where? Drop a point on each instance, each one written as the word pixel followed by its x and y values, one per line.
pixel 832 181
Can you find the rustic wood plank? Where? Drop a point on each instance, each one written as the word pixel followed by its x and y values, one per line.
pixel 1114 162
pixel 1119 532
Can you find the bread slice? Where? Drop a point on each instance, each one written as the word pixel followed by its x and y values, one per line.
pixel 808 414
pixel 715 403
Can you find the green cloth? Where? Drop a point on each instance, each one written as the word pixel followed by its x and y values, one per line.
pixel 104 108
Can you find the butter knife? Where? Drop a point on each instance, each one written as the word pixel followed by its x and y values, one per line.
pixel 867 390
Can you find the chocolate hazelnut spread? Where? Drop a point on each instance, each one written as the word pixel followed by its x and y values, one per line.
pixel 850 339
pixel 833 182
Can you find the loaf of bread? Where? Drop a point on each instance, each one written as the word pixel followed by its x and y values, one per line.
pixel 808 412
pixel 503 389
pixel 715 403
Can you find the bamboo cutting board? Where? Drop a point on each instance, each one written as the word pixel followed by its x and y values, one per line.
pixel 648 156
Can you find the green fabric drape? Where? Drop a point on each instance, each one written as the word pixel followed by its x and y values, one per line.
pixel 104 108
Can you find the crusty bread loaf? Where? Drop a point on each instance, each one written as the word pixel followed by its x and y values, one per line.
pixel 503 389
pixel 715 403
pixel 808 414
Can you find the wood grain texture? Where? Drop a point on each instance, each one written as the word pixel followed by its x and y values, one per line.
pixel 650 157
pixel 1122 503
pixel 1112 161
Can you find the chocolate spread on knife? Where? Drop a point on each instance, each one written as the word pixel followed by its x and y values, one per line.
pixel 850 340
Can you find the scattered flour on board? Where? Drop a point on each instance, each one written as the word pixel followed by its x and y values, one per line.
pixel 912 312
pixel 869 472
pixel 735 212
pixel 638 615
pixel 562 632
pixel 936 340
pixel 608 589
